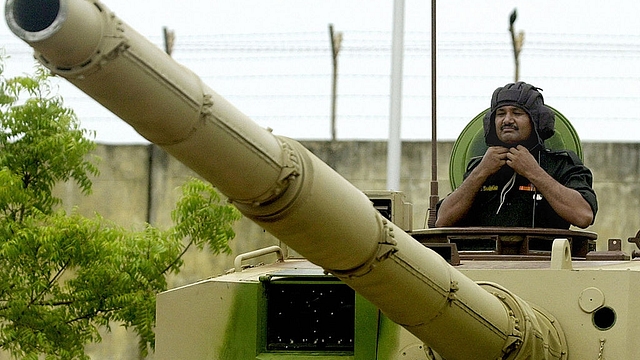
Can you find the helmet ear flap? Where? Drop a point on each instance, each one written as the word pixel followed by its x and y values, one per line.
pixel 546 122
pixel 489 130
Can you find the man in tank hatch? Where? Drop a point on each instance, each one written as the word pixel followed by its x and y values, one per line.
pixel 519 182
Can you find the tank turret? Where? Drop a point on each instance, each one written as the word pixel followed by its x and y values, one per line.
pixel 281 186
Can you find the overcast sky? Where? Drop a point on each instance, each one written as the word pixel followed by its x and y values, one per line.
pixel 271 58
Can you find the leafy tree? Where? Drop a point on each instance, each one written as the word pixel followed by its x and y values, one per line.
pixel 64 276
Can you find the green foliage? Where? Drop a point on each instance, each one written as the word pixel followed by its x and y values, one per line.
pixel 64 276
pixel 198 216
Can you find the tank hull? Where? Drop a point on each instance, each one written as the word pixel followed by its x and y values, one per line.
pixel 234 305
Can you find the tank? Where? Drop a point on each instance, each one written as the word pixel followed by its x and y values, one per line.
pixel 363 284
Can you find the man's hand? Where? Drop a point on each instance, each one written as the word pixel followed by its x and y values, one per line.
pixel 494 159
pixel 567 202
pixel 521 161
pixel 455 206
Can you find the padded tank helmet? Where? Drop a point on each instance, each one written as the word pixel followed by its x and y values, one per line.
pixel 528 98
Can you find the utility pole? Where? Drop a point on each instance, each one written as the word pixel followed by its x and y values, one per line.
pixel 336 45
pixel 394 144
pixel 169 39
pixel 517 41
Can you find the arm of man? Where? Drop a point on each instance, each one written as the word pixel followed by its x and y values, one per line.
pixel 567 202
pixel 456 205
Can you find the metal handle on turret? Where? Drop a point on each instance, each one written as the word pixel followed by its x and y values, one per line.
pixel 237 262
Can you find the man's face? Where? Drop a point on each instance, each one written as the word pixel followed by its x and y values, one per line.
pixel 513 125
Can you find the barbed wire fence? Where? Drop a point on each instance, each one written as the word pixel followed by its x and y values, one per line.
pixel 285 78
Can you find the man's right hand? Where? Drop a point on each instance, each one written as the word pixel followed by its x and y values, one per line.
pixel 455 206
pixel 494 159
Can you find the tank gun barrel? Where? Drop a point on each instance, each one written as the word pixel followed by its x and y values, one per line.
pixel 281 186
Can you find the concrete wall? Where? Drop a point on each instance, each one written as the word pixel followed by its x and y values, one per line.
pixel 122 193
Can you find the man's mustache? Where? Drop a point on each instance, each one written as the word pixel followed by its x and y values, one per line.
pixel 509 126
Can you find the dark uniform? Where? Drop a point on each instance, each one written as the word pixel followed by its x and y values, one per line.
pixel 522 205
